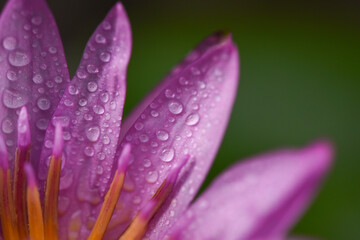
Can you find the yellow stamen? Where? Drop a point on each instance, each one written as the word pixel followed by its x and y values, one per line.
pixel 111 197
pixel 36 223
pixel 19 190
pixel 51 199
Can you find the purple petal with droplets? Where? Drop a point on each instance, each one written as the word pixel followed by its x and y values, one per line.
pixel 257 198
pixel 186 114
pixel 33 70
pixel 90 112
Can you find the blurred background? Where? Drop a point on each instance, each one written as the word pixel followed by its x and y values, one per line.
pixel 300 80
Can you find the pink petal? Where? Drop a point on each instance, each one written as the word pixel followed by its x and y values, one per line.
pixel 258 198
pixel 33 69
pixel 90 112
pixel 186 114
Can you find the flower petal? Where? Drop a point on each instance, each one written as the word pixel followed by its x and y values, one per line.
pixel 186 114
pixel 257 198
pixel 90 112
pixel 33 69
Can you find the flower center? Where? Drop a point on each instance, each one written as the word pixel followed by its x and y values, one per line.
pixel 21 214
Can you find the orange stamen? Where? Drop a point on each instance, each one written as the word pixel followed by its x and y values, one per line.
pixel 19 188
pixel 139 225
pixel 52 187
pixel 111 197
pixel 7 212
pixel 36 223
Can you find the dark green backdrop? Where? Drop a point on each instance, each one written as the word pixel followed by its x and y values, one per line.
pixel 300 80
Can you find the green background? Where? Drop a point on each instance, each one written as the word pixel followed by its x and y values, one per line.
pixel 300 80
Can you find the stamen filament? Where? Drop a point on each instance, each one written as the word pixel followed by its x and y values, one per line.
pixel 7 212
pixel 52 187
pixel 138 226
pixel 22 156
pixel 112 196
pixel 36 223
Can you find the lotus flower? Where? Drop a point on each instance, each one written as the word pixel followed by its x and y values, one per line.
pixel 70 169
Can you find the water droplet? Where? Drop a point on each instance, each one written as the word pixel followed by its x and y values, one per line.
pixel 7 126
pixel 175 107
pixel 43 103
pixel 58 79
pixel 99 170
pixel 93 133
pixel 9 43
pixel 81 74
pixel 11 75
pixel 42 123
pixel 19 58
pixel 73 90
pixel 106 140
pixel 37 78
pixel 162 135
pixel 192 119
pixel 98 109
pixel 92 68
pixel 92 86
pixel 104 97
pixel 147 163
pixel 143 138
pixel 100 39
pixel 13 99
pixel 138 126
pixel 105 57
pixel 167 154
pixel 52 50
pixel 152 176
pixel 82 102
pixel 106 25
pixel 154 113
pixel 37 20
pixel 89 151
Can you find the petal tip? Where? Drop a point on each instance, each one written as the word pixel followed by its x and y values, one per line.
pixel 323 152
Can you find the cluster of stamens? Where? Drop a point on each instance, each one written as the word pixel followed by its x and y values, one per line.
pixel 21 212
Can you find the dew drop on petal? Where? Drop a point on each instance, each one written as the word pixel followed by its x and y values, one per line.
pixel 105 57
pixel 92 86
pixel 167 154
pixel 37 20
pixel 152 176
pixel 93 133
pixel 175 107
pixel 89 151
pixel 100 39
pixel 13 99
pixel 11 75
pixel 192 119
pixel 43 103
pixel 9 43
pixel 37 78
pixel 19 58
pixel 162 135
pixel 7 126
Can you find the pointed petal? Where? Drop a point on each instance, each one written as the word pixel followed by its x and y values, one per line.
pixel 186 114
pixel 90 112
pixel 258 198
pixel 33 70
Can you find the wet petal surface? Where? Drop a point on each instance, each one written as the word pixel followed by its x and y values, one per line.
pixel 258 198
pixel 90 112
pixel 33 70
pixel 186 114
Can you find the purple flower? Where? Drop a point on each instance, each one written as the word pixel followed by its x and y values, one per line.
pixel 70 169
